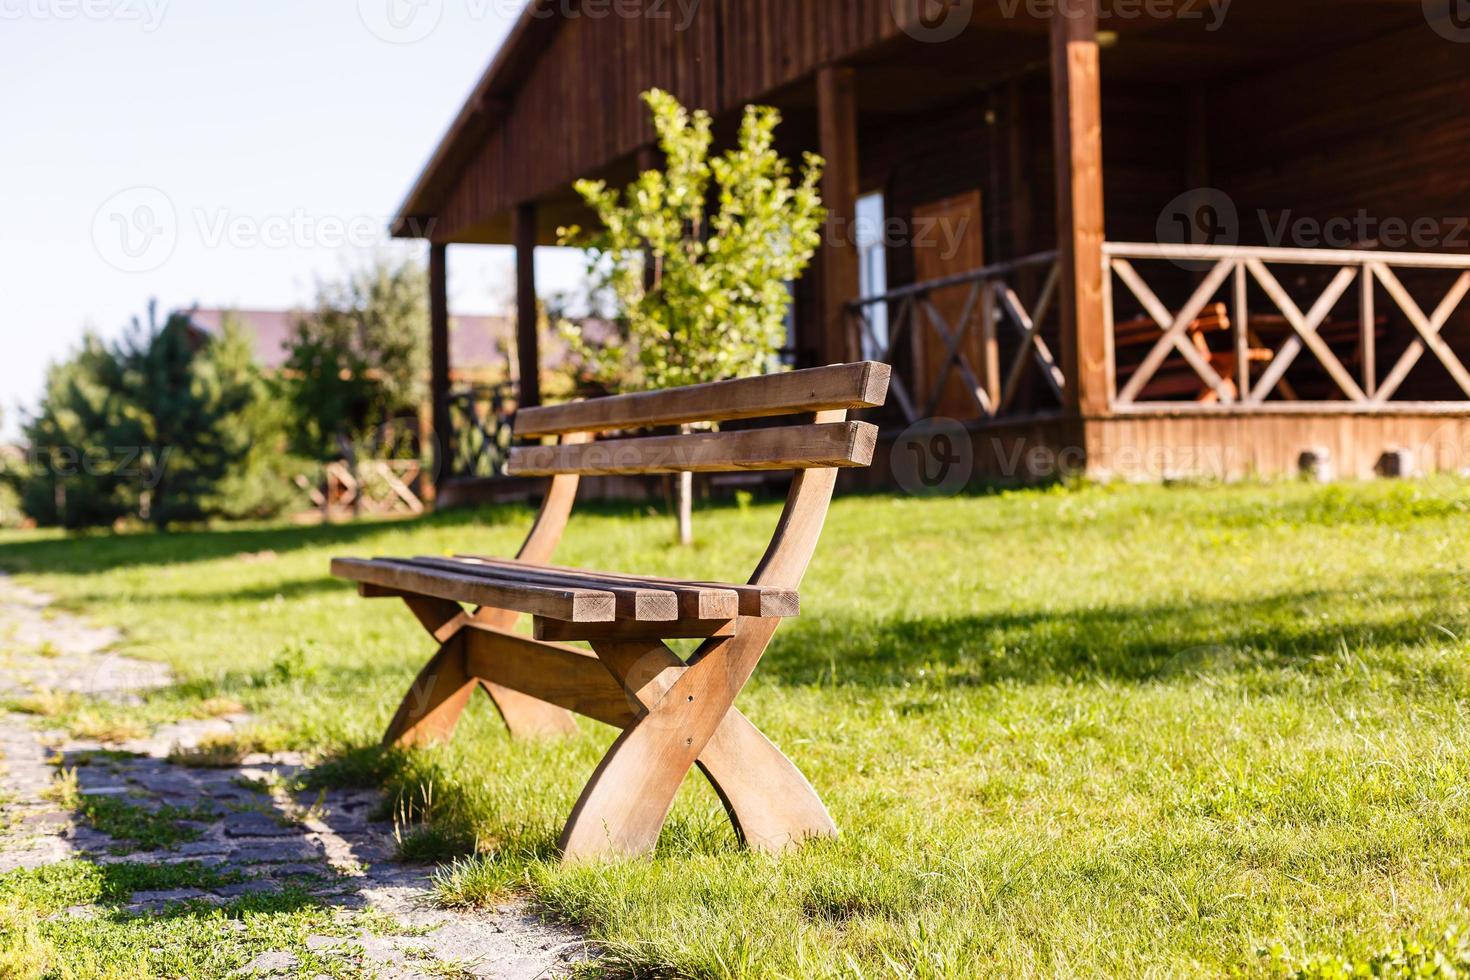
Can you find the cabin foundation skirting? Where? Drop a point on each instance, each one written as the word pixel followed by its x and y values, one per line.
pixel 1213 445
pixel 1237 446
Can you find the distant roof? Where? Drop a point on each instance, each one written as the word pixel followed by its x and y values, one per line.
pixel 475 342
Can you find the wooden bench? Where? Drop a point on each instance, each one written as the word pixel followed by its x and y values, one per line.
pixel 673 713
pixel 1175 378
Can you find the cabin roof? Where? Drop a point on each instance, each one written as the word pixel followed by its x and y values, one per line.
pixel 898 76
pixel 481 110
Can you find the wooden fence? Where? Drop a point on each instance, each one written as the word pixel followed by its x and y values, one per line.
pixel 1250 370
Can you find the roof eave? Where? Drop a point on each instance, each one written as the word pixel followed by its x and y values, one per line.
pixel 482 111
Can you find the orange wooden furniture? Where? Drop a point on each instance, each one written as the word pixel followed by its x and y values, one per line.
pixel 673 713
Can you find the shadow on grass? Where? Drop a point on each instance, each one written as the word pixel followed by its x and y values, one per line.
pixel 100 551
pixel 305 588
pixel 1136 644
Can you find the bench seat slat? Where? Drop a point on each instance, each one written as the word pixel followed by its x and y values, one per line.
pixel 758 601
pixel 692 600
pixel 795 447
pixel 839 386
pixel 571 605
pixel 636 601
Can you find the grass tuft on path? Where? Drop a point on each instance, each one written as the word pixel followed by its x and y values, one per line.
pixel 1102 731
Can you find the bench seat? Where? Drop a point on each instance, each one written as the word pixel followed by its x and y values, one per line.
pixel 557 595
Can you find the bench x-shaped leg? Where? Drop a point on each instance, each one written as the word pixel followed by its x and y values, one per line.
pixel 674 715
pixel 685 714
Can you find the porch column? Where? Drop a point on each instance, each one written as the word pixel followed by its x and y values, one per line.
pixel 650 157
pixel 837 112
pixel 1086 358
pixel 439 363
pixel 528 343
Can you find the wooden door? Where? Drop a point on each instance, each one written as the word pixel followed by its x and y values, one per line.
pixel 947 239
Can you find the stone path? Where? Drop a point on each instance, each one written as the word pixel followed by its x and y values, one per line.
pixel 244 829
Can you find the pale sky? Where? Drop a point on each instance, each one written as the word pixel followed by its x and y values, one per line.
pixel 219 152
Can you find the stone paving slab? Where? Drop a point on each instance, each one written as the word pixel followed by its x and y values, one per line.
pixel 254 838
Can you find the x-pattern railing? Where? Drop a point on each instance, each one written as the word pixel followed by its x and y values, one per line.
pixel 990 301
pixel 481 429
pixel 376 487
pixel 1240 266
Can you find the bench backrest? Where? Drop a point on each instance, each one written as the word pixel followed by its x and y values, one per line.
pixel 831 441
pixel 816 450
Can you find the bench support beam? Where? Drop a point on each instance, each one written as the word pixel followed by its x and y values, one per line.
pixel 430 710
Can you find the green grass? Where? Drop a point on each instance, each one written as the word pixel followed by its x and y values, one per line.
pixel 142 829
pixel 190 939
pixel 48 890
pixel 135 827
pixel 1092 732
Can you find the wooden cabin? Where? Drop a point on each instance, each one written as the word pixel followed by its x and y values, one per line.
pixel 1142 239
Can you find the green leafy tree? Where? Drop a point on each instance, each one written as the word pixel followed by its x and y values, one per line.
pixel 10 472
pixel 698 257
pixel 10 513
pixel 359 358
pixel 262 484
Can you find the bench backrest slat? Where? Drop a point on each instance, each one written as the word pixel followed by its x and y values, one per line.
pixel 840 386
pixel 796 447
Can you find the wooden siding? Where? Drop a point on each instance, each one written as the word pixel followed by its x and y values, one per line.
pixel 732 51
pixel 566 103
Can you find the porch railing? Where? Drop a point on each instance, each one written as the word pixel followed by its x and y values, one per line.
pixel 372 488
pixel 992 312
pixel 480 417
pixel 1234 355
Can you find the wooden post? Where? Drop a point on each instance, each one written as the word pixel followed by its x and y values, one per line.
pixel 990 343
pixel 528 315
pixel 650 157
pixel 1086 353
pixel 439 365
pixel 837 109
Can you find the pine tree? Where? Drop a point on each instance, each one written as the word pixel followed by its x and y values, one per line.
pixel 184 401
pixel 73 475
pixel 261 485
